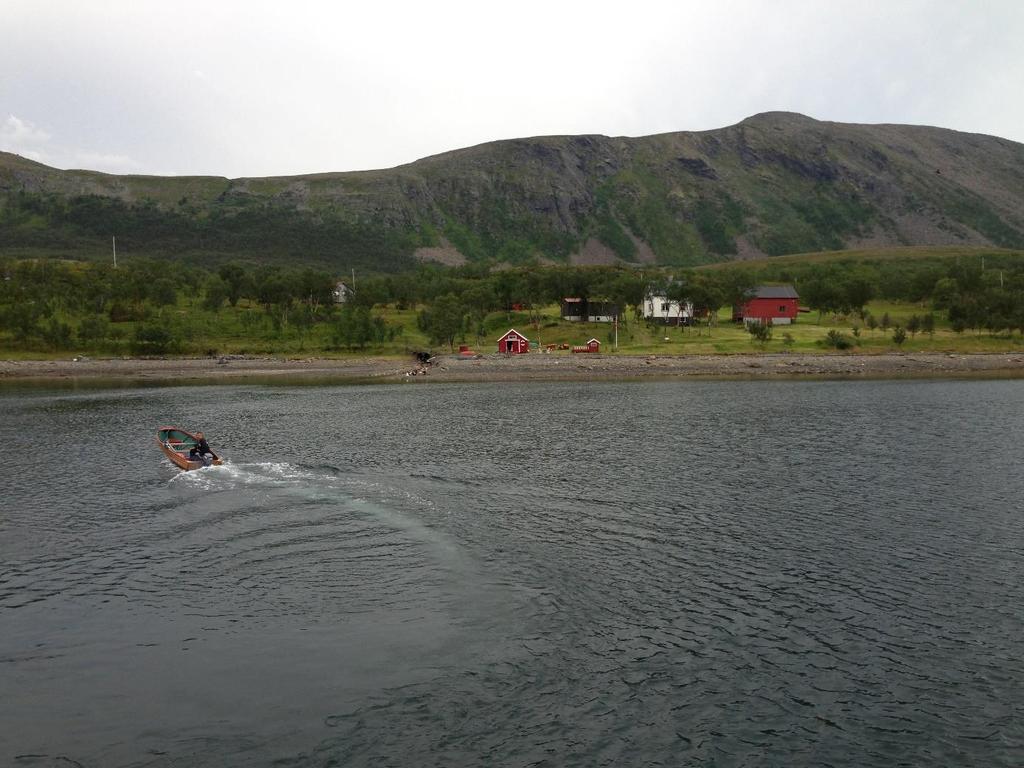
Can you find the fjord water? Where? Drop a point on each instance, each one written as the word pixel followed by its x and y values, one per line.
pixel 716 573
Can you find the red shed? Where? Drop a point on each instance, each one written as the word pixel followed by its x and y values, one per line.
pixel 777 304
pixel 513 343
pixel 591 346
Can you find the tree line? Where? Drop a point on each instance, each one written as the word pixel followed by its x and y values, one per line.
pixel 53 304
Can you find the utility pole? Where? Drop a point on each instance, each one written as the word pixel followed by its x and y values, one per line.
pixel 353 278
pixel 113 244
pixel 616 331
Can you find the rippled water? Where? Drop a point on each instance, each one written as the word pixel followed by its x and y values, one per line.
pixel 726 573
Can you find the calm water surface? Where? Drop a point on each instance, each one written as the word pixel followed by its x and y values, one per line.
pixel 726 573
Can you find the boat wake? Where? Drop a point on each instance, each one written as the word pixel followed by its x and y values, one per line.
pixel 320 483
pixel 229 476
pixel 278 486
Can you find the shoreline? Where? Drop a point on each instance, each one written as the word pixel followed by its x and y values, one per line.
pixel 501 368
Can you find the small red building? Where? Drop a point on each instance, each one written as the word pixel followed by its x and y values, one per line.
pixel 513 343
pixel 777 304
pixel 591 346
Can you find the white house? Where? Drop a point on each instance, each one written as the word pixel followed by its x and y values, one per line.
pixel 342 293
pixel 659 308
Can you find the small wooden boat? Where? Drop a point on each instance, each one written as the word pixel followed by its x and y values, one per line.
pixel 176 443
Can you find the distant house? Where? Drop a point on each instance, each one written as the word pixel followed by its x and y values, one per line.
pixel 584 311
pixel 342 293
pixel 777 304
pixel 591 346
pixel 660 309
pixel 513 343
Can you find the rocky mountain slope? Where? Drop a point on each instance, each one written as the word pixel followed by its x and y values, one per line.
pixel 775 183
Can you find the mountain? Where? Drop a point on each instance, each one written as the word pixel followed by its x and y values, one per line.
pixel 773 184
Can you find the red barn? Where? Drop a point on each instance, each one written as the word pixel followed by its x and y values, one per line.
pixel 777 304
pixel 513 343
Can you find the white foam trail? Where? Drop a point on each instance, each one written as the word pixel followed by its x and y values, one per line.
pixel 355 495
pixel 228 475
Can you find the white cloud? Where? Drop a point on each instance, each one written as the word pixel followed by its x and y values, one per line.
pixel 22 137
pixel 25 138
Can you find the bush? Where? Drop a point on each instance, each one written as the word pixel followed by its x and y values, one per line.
pixel 899 336
pixel 760 333
pixel 121 312
pixel 838 340
pixel 151 340
pixel 93 329
pixel 57 334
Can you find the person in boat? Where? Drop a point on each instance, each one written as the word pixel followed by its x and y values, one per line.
pixel 200 449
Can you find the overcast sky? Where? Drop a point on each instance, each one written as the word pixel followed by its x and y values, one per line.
pixel 248 88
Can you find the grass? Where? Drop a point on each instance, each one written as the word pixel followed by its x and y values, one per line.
pixel 247 330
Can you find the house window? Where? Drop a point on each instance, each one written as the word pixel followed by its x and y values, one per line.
pixel 664 307
pixel 782 308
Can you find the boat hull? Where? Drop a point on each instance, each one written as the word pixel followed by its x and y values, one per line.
pixel 176 443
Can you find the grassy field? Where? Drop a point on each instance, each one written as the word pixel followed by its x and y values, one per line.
pixel 248 330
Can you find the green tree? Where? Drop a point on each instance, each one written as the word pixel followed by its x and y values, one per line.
pixel 928 324
pixel 760 333
pixel 57 334
pixel 737 286
pixel 236 279
pixel 859 290
pixel 351 328
pixel 822 295
pixel 314 287
pixel 913 325
pixel 151 340
pixel 945 293
pixel 899 335
pixel 216 292
pixel 444 320
pixel 706 296
pixel 23 319
pixel 93 329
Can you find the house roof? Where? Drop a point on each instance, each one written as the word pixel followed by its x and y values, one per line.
pixel 598 341
pixel 775 292
pixel 510 331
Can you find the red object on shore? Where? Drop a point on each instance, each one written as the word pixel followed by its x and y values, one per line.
pixel 513 343
pixel 591 346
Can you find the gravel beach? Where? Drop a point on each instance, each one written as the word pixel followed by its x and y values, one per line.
pixel 499 368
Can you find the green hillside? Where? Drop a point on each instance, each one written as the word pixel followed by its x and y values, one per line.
pixel 776 183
